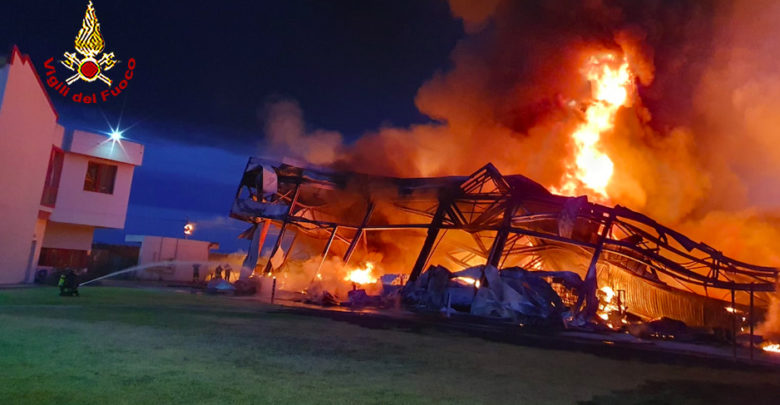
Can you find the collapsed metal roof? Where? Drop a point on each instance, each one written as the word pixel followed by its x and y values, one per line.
pixel 510 219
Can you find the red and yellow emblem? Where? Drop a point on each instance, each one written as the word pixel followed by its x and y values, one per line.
pixel 89 43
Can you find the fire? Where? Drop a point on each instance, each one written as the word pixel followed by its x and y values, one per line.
pixel 774 348
pixel 362 276
pixel 607 306
pixel 609 293
pixel 469 280
pixel 609 310
pixel 592 168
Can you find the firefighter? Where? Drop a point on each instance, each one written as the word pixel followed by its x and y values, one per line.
pixel 61 284
pixel 228 269
pixel 69 284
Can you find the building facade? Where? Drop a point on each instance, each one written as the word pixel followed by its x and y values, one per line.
pixel 175 258
pixel 57 185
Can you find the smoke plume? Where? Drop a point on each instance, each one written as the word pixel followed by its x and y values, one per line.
pixel 695 149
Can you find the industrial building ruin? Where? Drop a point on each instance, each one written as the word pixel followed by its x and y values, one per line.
pixel 492 244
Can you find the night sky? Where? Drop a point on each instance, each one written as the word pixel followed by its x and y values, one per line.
pixel 205 72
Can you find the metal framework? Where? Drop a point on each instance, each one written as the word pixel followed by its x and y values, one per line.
pixel 510 219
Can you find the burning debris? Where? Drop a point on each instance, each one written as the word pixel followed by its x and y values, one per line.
pixel 616 100
pixel 517 250
pixel 358 286
pixel 627 264
pixel 509 293
pixel 362 275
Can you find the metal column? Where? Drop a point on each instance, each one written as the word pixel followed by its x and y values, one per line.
pixel 264 232
pixel 590 282
pixel 430 239
pixel 327 248
pixel 289 248
pixel 497 250
pixel 278 242
pixel 359 233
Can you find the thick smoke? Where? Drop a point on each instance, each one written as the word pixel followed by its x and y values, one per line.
pixel 696 149
pixel 285 132
pixel 514 98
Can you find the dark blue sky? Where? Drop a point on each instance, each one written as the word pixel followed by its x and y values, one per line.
pixel 205 70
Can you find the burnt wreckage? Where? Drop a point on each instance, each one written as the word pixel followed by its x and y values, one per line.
pixel 488 221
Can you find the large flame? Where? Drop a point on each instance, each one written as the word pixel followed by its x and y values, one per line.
pixel 592 168
pixel 362 275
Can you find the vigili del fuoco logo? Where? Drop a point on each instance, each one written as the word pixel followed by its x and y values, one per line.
pixel 89 64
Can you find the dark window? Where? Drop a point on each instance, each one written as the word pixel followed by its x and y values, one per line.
pixel 52 182
pixel 100 178
pixel 63 258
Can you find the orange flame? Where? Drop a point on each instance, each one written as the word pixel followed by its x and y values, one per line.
pixel 773 347
pixel 469 280
pixel 592 168
pixel 362 276
pixel 609 310
pixel 607 306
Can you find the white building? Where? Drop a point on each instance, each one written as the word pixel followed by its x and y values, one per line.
pixel 56 185
pixel 179 255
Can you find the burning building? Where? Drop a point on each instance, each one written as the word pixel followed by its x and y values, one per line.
pixel 664 108
pixel 492 221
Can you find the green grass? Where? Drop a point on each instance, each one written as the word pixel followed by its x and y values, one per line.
pixel 131 346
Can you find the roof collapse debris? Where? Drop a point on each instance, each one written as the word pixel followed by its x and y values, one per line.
pixel 610 259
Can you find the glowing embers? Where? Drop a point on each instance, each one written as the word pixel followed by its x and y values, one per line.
pixel 363 275
pixel 467 280
pixel 591 170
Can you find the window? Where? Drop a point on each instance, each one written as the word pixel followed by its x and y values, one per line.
pixel 100 178
pixel 52 182
pixel 63 258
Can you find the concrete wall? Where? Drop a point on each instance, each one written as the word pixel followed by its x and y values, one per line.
pixel 97 145
pixel 156 249
pixel 28 129
pixel 77 206
pixel 40 231
pixel 68 236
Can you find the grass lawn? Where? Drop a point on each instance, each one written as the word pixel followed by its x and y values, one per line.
pixel 132 346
